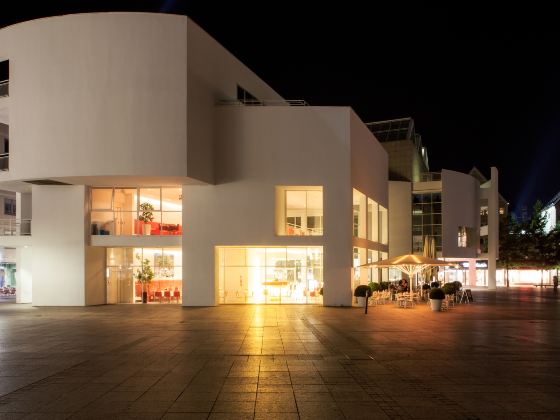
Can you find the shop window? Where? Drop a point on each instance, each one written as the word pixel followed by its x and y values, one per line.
pixel 299 211
pixel 270 275
pixel 136 211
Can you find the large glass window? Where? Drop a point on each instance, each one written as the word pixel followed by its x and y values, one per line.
pixel 426 220
pixel 299 211
pixel 162 269
pixel 359 213
pixel 270 275
pixel 383 225
pixel 373 221
pixel 136 211
pixel 360 273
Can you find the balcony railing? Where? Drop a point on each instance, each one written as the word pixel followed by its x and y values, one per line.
pixel 430 176
pixel 265 102
pixel 15 227
pixel 4 161
pixel 4 88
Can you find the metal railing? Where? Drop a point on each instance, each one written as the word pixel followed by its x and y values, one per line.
pixel 4 88
pixel 265 102
pixel 15 227
pixel 430 176
pixel 4 161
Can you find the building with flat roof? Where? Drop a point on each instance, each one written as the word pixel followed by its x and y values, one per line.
pixel 150 164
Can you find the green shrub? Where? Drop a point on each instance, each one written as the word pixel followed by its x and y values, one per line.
pixel 362 291
pixel 425 286
pixel 375 287
pixel 321 291
pixel 434 284
pixel 449 288
pixel 458 285
pixel 384 285
pixel 437 293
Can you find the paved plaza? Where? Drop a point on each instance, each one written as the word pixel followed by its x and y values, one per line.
pixel 496 358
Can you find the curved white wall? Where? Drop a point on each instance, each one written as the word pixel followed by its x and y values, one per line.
pixel 96 95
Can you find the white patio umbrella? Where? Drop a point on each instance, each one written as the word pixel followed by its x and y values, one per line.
pixel 409 264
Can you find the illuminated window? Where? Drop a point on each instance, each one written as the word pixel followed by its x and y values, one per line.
pixel 359 214
pixel 160 269
pixel 136 211
pixel 373 221
pixel 426 220
pixel 270 275
pixel 383 225
pixel 462 237
pixel 299 211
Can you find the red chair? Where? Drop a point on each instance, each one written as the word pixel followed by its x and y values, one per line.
pixel 177 295
pixel 158 296
pixel 167 295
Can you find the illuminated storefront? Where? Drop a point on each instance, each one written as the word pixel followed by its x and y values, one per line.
pixel 270 275
pixel 125 265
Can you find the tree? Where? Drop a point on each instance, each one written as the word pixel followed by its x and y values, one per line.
pixel 511 244
pixel 144 275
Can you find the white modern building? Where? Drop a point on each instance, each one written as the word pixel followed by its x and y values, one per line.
pixel 137 144
pixel 459 211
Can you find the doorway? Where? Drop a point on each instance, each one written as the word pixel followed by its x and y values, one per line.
pixel 120 285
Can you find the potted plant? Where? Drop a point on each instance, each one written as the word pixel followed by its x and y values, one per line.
pixel 425 290
pixel 436 298
pixel 146 216
pixel 144 275
pixel 361 292
pixel 449 288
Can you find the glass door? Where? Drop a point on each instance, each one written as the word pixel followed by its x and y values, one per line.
pixel 120 285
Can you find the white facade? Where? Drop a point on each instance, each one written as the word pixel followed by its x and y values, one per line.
pixel 454 217
pixel 132 101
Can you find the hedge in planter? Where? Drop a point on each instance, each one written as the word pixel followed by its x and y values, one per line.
pixel 362 291
pixel 449 288
pixel 437 293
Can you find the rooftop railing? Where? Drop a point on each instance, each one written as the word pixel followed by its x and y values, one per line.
pixel 15 227
pixel 430 176
pixel 4 88
pixel 4 161
pixel 266 102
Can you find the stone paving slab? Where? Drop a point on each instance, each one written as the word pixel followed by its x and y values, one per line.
pixel 495 358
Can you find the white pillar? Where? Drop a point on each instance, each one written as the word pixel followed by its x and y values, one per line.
pixel 493 223
pixel 472 272
pixel 23 274
pixel 65 271
pixel 24 212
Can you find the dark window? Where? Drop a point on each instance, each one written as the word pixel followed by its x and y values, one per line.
pixel 9 207
pixel 4 70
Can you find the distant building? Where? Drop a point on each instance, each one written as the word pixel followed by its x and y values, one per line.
pixel 552 212
pixel 460 211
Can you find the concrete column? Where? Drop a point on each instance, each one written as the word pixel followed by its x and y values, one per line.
pixel 493 223
pixel 23 274
pixel 24 212
pixel 472 272
pixel 61 261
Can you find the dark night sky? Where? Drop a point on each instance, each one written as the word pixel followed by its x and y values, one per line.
pixel 483 85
